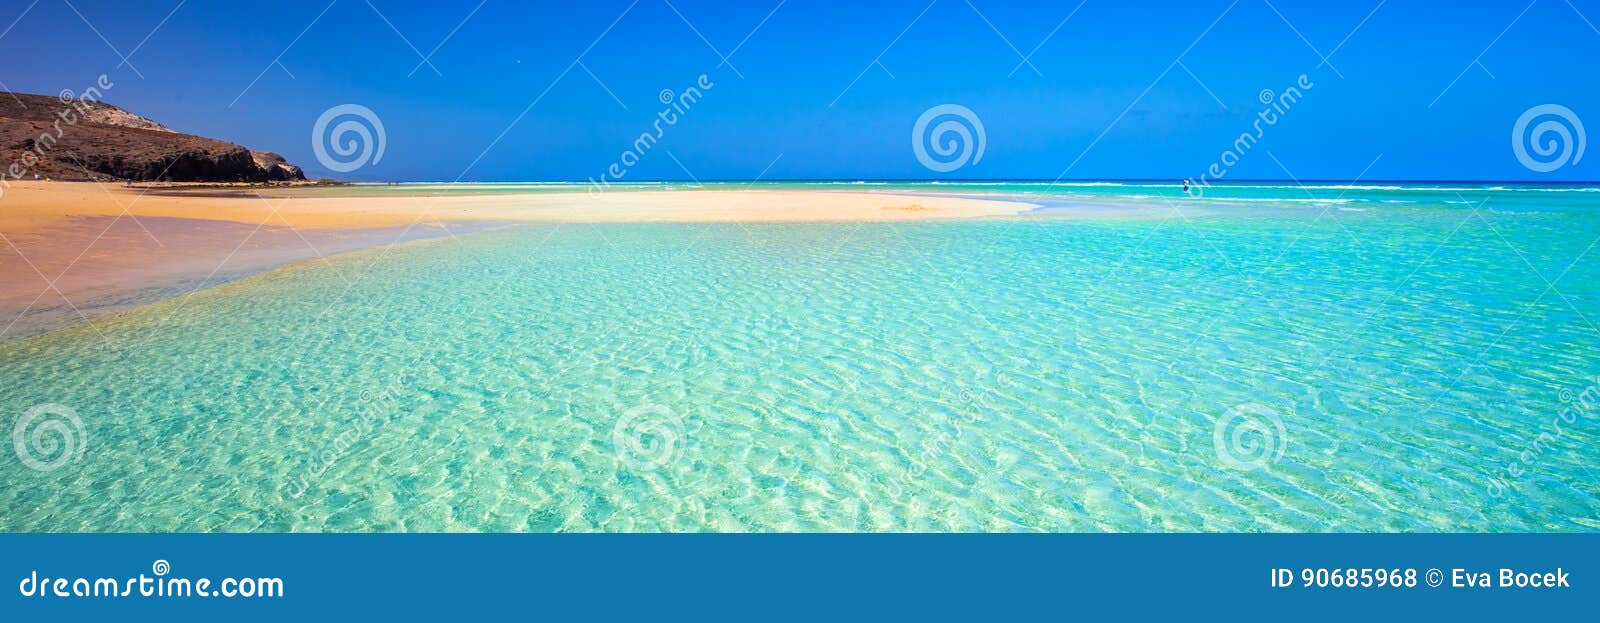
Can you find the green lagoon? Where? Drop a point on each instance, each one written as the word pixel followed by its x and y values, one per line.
pixel 1128 358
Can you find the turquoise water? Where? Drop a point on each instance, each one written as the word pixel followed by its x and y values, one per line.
pixel 1381 360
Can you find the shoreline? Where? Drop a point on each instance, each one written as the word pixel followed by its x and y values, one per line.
pixel 127 264
pixel 76 251
pixel 30 205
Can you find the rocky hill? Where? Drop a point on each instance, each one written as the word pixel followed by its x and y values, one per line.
pixel 107 142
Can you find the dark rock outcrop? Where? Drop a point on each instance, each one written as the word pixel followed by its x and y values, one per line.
pixel 91 140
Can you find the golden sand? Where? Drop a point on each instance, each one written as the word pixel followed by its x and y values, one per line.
pixel 32 205
pixel 71 250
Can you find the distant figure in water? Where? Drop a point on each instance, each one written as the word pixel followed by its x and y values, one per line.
pixel 1186 187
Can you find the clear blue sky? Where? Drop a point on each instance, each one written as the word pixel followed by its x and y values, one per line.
pixel 1102 98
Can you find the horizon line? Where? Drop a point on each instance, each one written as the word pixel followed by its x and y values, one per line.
pixel 1174 181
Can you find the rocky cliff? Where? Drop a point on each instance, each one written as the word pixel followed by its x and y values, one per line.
pixel 90 140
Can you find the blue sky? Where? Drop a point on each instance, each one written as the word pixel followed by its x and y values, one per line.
pixel 1122 89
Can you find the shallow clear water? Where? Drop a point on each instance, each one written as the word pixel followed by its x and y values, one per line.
pixel 1404 367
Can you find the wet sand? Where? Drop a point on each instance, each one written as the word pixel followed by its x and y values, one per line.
pixel 71 251
pixel 83 267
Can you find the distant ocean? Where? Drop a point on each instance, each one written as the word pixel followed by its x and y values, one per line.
pixel 1267 357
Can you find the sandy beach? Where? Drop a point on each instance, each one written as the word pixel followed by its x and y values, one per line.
pixel 73 250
